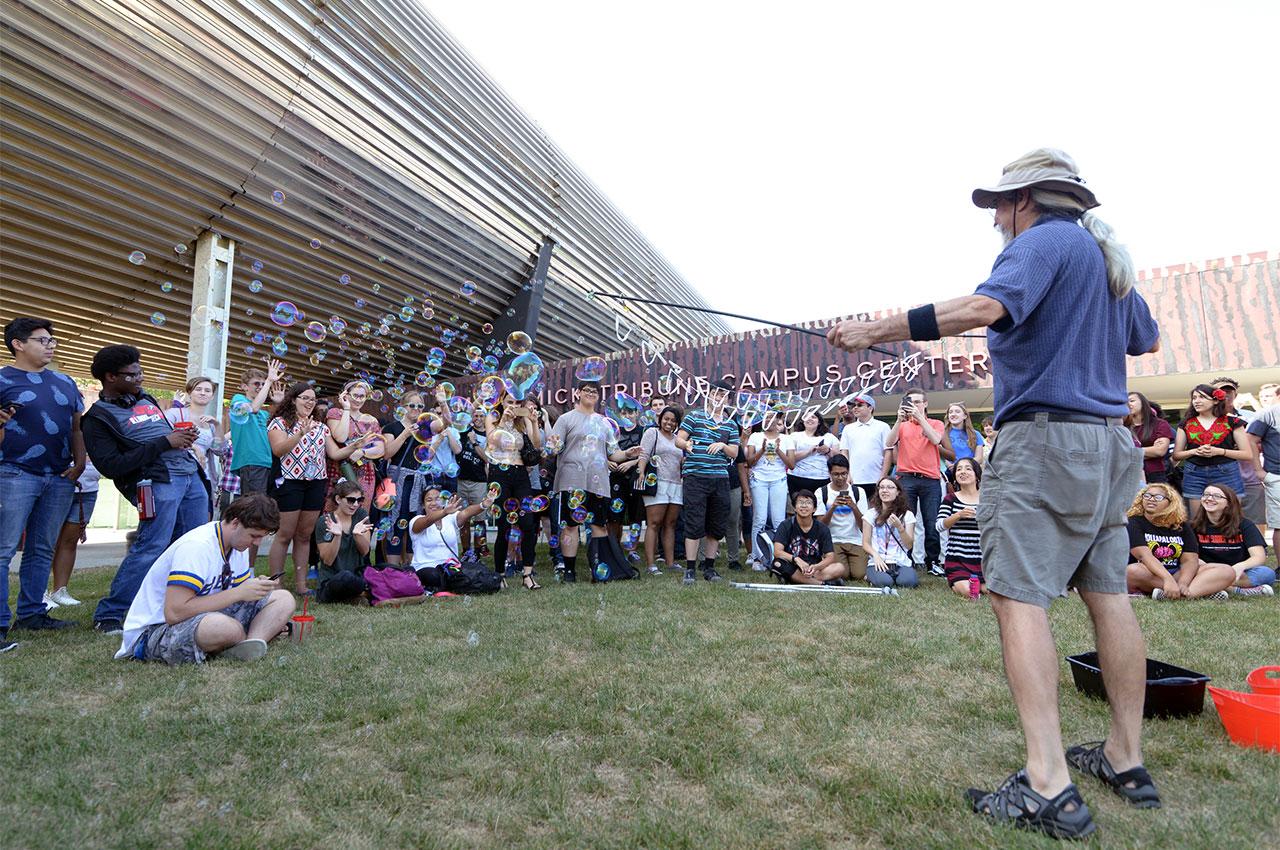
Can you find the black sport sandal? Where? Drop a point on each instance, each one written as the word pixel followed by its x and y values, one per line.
pixel 1134 784
pixel 1017 803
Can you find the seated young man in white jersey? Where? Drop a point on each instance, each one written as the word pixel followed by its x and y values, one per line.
pixel 201 598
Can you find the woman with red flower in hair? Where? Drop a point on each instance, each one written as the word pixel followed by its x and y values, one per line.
pixel 1211 441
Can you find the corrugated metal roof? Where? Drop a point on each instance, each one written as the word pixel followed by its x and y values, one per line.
pixel 135 126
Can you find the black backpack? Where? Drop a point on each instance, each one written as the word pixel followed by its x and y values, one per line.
pixel 608 561
pixel 470 577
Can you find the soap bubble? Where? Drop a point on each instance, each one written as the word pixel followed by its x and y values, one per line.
pixel 524 370
pixel 157 319
pixel 255 285
pixel 538 504
pixel 337 325
pixel 315 331
pixel 581 340
pixel 489 389
pixel 490 363
pixel 249 349
pixel 240 412
pixel 461 412
pixel 423 454
pixel 360 304
pixel 617 505
pixel 344 279
pixel 486 328
pixel 518 342
pixel 406 314
pixel 590 369
pixel 422 427
pixel 650 480
pixel 624 407
pixel 285 314
pixel 167 286
pixel 467 289
pixel 504 440
pixel 277 197
pixel 137 258
pixel 579 515
pixel 256 265
pixel 180 249
pixel 428 313
pixel 314 243
pixel 278 347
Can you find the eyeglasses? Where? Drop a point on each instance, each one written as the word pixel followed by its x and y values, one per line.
pixel 1155 497
pixel 353 500
pixel 415 406
pixel 1211 497
pixel 46 341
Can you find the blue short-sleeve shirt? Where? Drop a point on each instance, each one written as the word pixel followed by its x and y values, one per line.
pixel 38 438
pixel 1062 347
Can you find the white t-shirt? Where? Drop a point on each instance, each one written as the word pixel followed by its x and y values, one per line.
pixel 771 466
pixel 814 465
pixel 434 546
pixel 865 443
pixel 845 527
pixel 194 560
pixel 89 479
pixel 887 540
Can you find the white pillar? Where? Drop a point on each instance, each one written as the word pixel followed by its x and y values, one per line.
pixel 211 312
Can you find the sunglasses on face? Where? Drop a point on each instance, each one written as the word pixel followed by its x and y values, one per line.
pixel 415 406
pixel 353 500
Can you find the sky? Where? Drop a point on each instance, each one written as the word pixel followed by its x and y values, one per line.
pixel 807 160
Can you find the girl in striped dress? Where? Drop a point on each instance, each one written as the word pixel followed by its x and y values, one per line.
pixel 958 516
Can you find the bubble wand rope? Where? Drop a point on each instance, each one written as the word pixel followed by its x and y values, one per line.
pixel 821 334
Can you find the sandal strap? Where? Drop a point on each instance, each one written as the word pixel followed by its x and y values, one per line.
pixel 1017 802
pixel 1091 758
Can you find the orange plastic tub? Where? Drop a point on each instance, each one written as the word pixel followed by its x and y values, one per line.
pixel 1251 720
pixel 1265 680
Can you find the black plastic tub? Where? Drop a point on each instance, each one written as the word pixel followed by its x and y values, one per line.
pixel 1172 691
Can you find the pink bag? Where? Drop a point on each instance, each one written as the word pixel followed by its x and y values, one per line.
pixel 390 581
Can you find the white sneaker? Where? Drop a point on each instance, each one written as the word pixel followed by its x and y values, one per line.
pixel 246 650
pixel 49 602
pixel 1157 594
pixel 1260 590
pixel 1219 596
pixel 758 567
pixel 62 597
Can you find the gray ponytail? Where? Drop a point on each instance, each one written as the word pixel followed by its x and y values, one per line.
pixel 1120 274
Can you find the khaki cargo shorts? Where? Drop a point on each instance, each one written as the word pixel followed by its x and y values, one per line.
pixel 1052 511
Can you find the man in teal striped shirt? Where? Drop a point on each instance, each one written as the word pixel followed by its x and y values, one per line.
pixel 709 438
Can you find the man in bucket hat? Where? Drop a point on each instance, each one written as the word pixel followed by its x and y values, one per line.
pixel 1060 315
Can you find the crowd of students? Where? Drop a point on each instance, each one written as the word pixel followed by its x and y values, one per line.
pixel 854 500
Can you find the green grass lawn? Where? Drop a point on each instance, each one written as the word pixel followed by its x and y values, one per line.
pixel 633 715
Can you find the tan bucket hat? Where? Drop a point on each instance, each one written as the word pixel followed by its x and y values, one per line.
pixel 1046 167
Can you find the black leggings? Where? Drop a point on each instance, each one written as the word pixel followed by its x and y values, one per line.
pixel 514 481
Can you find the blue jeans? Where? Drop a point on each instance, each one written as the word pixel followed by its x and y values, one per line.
pixel 36 504
pixel 182 504
pixel 768 507
pixel 924 497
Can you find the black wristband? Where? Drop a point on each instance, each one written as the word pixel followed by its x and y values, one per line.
pixel 923 323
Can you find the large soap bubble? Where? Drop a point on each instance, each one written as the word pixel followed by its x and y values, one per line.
pixel 590 369
pixel 488 390
pixel 518 342
pixel 315 331
pixel 285 314
pixel 524 371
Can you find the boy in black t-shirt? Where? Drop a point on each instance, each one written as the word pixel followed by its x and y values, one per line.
pixel 802 548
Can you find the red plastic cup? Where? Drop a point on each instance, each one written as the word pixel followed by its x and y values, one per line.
pixel 302 626
pixel 184 424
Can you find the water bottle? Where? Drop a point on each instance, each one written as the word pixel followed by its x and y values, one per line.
pixel 975 587
pixel 146 500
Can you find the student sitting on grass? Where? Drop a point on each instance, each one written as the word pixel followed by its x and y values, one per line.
pixel 958 516
pixel 1164 552
pixel 802 549
pixel 888 533
pixel 434 532
pixel 1228 538
pixel 343 541
pixel 840 507
pixel 201 598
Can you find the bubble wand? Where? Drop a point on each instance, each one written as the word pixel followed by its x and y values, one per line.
pixel 591 294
